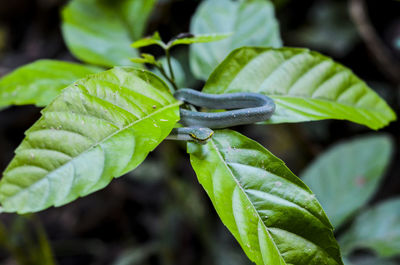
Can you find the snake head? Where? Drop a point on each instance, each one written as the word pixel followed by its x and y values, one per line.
pixel 201 135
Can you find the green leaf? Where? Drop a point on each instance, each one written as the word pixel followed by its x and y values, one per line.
pixel 305 86
pixel 252 23
pixel 40 82
pixel 377 229
pixel 202 38
pixel 101 31
pixel 148 41
pixel 271 212
pixel 146 58
pixel 346 176
pixel 99 128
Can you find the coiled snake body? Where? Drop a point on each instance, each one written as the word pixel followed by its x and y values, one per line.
pixel 243 108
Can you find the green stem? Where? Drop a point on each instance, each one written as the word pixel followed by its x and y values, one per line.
pixel 171 71
pixel 172 82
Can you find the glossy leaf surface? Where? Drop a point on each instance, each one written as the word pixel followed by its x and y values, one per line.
pixel 40 82
pixel 376 229
pixel 201 38
pixel 271 212
pixel 145 58
pixel 346 176
pixel 100 32
pixel 99 128
pixel 155 39
pixel 305 86
pixel 251 22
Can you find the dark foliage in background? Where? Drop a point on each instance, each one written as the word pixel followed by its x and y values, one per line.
pixel 159 214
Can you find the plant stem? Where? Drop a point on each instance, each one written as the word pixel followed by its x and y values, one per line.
pixel 172 82
pixel 380 52
pixel 171 71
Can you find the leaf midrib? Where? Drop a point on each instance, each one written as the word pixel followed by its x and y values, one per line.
pixel 94 145
pixel 258 215
pixel 247 197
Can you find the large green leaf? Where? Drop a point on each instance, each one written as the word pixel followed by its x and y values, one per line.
pixel 40 82
pixel 101 31
pixel 305 86
pixel 269 210
pixel 377 229
pixel 251 22
pixel 347 175
pixel 99 128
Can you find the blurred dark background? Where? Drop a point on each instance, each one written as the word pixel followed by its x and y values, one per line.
pixel 159 214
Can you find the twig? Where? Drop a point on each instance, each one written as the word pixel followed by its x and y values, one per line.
pixel 164 73
pixel 171 71
pixel 381 54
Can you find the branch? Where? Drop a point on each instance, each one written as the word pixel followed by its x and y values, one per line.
pixel 381 54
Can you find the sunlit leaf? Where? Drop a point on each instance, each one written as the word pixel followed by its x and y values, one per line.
pixel 305 86
pixel 146 58
pixel 272 214
pixel 101 31
pixel 346 176
pixel 251 22
pixel 148 41
pixel 99 128
pixel 201 38
pixel 377 229
pixel 40 82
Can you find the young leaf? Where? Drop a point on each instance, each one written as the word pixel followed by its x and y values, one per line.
pixel 305 86
pixel 146 58
pixel 148 41
pixel 100 32
pixel 273 215
pixel 377 229
pixel 40 82
pixel 201 38
pixel 346 176
pixel 252 22
pixel 98 128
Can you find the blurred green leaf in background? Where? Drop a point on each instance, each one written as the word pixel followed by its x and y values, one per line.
pixel 250 22
pixel 100 32
pixel 346 176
